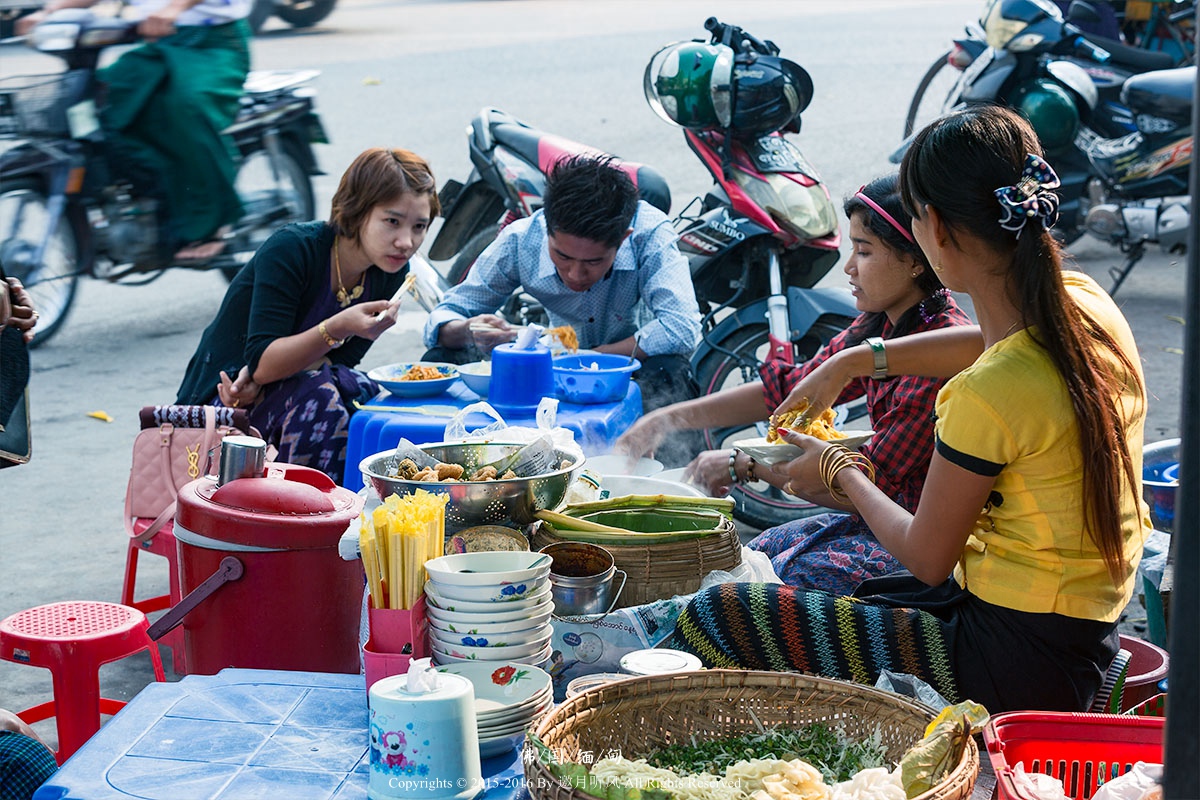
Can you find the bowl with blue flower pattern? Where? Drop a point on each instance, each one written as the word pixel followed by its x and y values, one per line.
pixel 503 592
pixel 443 638
pixel 523 595
pixel 488 567
pixel 531 652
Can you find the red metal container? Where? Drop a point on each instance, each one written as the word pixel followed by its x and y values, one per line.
pixel 297 603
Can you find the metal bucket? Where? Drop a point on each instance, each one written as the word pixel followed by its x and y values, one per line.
pixel 581 578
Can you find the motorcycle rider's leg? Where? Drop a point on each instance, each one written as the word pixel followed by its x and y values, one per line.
pixel 182 118
pixel 664 380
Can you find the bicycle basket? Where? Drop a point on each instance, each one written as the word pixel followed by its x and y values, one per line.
pixel 36 105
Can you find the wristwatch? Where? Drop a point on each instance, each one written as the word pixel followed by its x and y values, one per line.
pixel 880 355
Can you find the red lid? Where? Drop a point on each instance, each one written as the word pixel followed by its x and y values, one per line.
pixel 292 507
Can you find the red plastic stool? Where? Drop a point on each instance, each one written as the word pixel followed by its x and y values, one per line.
pixel 72 640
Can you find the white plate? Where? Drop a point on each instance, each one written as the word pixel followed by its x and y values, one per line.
pixel 621 485
pixel 765 452
pixel 499 745
pixel 501 684
pixel 616 464
pixel 530 709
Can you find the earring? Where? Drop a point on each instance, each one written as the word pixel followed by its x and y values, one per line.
pixel 915 274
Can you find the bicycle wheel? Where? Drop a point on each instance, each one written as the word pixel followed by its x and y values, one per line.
pixel 930 97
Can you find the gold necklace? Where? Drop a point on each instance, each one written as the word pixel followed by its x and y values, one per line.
pixel 345 298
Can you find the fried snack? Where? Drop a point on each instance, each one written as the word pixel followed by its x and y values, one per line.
pixel 406 469
pixel 797 420
pixel 508 475
pixel 566 335
pixel 487 473
pixel 425 474
pixel 449 472
pixel 420 372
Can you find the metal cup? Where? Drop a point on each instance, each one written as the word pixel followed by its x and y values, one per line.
pixel 241 457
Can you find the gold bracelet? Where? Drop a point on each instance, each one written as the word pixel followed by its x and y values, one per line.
pixel 833 460
pixel 329 340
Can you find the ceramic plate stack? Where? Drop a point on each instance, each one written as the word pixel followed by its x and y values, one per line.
pixel 492 606
pixel 509 697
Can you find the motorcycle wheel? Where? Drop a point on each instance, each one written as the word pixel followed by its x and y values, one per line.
pixel 921 110
pixel 471 251
pixel 760 504
pixel 305 13
pixel 24 209
pixel 269 203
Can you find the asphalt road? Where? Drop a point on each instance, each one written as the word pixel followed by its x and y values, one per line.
pixel 412 73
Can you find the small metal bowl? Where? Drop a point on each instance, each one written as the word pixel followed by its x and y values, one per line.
pixel 482 502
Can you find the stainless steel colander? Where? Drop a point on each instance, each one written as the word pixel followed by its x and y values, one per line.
pixel 482 502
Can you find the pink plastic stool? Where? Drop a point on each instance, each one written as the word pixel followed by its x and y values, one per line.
pixel 72 640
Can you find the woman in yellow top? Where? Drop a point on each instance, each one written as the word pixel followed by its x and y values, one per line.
pixel 1024 544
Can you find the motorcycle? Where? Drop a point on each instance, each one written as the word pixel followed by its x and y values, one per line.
pixel 65 211
pixel 756 243
pixel 1120 139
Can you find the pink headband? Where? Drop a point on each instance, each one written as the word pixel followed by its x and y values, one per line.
pixel 879 210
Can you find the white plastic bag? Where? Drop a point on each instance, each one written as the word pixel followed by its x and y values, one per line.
pixel 500 431
pixel 1133 785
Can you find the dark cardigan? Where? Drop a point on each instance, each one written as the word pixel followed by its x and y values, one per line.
pixel 268 300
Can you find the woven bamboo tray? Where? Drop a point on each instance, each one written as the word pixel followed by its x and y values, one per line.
pixel 661 571
pixel 641 715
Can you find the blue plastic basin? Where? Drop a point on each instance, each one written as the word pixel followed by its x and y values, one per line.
pixel 593 377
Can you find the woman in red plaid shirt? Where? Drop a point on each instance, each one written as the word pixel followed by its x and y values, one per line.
pixel 898 294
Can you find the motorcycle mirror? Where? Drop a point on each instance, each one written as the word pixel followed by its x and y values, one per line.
pixel 1082 11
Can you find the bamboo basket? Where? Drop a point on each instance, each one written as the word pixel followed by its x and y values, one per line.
pixel 640 715
pixel 661 571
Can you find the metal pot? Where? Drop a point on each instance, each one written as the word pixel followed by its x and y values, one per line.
pixel 581 578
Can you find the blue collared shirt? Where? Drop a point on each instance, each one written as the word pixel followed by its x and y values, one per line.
pixel 649 274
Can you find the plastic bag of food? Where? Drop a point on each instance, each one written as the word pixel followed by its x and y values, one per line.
pixel 1139 783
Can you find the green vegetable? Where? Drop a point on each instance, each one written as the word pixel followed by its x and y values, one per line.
pixel 578 777
pixel 830 750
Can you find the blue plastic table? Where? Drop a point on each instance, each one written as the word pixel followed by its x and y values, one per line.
pixel 239 734
pixel 596 427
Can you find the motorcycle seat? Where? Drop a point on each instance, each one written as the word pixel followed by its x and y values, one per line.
pixel 1164 93
pixel 1137 58
pixel 544 149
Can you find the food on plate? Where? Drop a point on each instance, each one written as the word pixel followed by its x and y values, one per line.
pixel 566 335
pixel 422 372
pixel 797 420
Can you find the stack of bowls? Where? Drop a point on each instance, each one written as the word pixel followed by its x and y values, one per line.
pixel 492 606
pixel 509 697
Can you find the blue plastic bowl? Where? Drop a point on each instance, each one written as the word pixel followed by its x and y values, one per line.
pixel 593 377
pixel 1160 481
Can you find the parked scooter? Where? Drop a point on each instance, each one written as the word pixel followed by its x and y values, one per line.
pixel 1120 142
pixel 757 242
pixel 65 211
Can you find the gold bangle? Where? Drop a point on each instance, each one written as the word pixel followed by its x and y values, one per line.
pixel 833 460
pixel 329 340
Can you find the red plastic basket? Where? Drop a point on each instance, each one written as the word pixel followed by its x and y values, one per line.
pixel 1081 750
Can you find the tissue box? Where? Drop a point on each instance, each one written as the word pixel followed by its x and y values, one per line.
pixel 396 636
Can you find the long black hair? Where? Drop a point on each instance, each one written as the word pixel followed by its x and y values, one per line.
pixel 955 165
pixel 885 193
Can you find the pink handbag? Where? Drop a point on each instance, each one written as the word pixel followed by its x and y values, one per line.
pixel 177 444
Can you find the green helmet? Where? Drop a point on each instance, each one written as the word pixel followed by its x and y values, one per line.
pixel 1050 109
pixel 687 83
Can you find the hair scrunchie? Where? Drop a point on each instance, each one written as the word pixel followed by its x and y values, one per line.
pixel 1032 196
